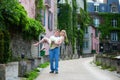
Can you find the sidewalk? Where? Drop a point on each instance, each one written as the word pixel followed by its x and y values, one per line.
pixel 78 69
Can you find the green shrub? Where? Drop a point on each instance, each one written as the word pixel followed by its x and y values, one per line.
pixel 5 53
pixel 1 47
pixel 44 65
pixel 31 75
pixel 14 17
pixel 112 68
pixel 98 63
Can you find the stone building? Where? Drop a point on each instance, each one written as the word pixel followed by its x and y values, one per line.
pixel 49 21
pixel 111 41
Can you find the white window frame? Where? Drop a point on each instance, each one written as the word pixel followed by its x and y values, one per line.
pixel 86 44
pixel 114 23
pixel 96 22
pixel 114 36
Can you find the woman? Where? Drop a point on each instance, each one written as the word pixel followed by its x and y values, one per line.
pixel 51 40
pixel 54 43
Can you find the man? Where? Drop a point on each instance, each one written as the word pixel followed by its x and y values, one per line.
pixel 54 52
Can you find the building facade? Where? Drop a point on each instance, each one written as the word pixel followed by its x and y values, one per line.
pixel 91 40
pixel 49 20
pixel 110 41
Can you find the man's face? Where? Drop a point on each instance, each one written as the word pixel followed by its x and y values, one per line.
pixel 57 33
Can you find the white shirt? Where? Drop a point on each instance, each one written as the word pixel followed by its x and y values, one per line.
pixel 55 40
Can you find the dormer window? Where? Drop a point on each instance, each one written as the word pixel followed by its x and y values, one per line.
pixel 96 7
pixel 114 8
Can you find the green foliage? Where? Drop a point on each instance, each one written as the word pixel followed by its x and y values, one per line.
pixel 84 21
pixel 74 22
pixel 32 30
pixel 44 65
pixel 31 75
pixel 39 7
pixel 1 47
pixel 98 63
pixel 65 20
pixel 112 68
pixel 14 17
pixel 106 25
pixel 34 73
pixel 5 53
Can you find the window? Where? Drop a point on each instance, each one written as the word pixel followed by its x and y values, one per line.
pixel 114 8
pixel 114 36
pixel 96 22
pixel 44 17
pixel 86 30
pixel 50 21
pixel 86 44
pixel 114 23
pixel 96 7
pixel 96 33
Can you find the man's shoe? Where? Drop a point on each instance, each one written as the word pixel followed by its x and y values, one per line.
pixel 56 72
pixel 51 71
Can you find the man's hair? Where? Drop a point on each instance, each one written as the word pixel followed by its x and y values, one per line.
pixel 56 30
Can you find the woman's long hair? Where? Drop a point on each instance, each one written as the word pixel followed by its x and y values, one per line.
pixel 65 36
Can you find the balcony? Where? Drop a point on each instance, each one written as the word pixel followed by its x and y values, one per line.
pixel 48 3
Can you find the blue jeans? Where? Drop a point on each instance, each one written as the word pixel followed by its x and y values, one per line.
pixel 54 58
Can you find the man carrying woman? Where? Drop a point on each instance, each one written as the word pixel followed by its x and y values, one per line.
pixel 54 41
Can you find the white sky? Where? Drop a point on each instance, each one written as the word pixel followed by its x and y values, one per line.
pixel 98 0
pixel 92 1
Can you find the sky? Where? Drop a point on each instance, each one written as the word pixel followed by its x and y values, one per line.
pixel 99 1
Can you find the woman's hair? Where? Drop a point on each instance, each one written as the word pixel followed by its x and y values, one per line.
pixel 65 36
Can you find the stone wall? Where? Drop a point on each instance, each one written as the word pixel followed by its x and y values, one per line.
pixel 19 46
pixel 2 72
pixel 108 62
pixel 67 53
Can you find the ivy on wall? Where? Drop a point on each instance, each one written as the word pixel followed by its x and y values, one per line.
pixel 84 21
pixel 65 20
pixel 39 7
pixel 5 52
pixel 14 18
pixel 74 22
pixel 106 24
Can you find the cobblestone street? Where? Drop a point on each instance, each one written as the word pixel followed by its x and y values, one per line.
pixel 78 69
